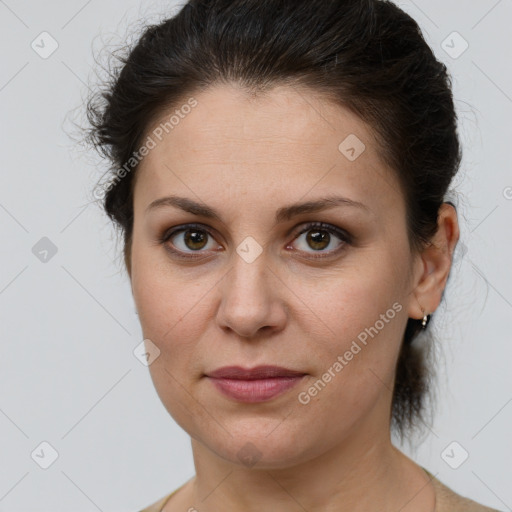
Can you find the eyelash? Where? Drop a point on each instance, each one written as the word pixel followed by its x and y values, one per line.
pixel 321 226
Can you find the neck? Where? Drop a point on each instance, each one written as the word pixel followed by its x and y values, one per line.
pixel 364 473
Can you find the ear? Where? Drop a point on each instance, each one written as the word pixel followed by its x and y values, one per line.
pixel 434 264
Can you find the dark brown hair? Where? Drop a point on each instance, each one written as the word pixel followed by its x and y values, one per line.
pixel 366 55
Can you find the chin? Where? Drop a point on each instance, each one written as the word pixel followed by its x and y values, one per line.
pixel 259 444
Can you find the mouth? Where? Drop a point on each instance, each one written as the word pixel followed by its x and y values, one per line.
pixel 258 384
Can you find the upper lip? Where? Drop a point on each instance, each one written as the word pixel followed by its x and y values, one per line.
pixel 258 372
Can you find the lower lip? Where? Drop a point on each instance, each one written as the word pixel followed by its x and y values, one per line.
pixel 252 391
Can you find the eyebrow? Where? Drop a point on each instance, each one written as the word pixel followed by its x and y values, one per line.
pixel 283 214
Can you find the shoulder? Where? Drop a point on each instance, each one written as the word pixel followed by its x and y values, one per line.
pixel 158 505
pixel 449 501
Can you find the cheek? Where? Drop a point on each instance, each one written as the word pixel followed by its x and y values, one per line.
pixel 154 293
pixel 172 307
pixel 360 321
pixel 360 313
pixel 169 308
pixel 356 297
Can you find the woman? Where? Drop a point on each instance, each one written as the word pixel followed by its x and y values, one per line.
pixel 279 174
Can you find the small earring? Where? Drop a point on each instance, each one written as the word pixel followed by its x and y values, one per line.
pixel 425 320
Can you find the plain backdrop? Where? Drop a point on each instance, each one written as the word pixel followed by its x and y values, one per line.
pixel 73 396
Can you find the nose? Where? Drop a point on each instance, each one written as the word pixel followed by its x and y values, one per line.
pixel 252 299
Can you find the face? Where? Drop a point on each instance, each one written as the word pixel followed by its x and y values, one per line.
pixel 257 284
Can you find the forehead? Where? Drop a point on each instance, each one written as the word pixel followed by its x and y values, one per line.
pixel 289 140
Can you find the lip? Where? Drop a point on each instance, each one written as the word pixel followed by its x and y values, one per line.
pixel 258 372
pixel 258 384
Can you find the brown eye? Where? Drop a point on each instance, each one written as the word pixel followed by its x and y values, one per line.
pixel 318 239
pixel 195 239
pixel 320 236
pixel 192 239
pixel 185 240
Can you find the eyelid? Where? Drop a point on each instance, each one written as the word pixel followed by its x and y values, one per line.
pixel 324 226
pixel 344 236
pixel 169 233
pixel 304 227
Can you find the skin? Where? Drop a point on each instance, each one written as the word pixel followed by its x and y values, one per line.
pixel 246 157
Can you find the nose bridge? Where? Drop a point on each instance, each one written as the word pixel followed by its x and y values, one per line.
pixel 247 279
pixel 247 296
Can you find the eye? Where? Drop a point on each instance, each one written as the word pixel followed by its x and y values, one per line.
pixel 187 240
pixel 319 237
pixel 184 241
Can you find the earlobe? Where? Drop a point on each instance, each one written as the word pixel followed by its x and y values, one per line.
pixel 436 259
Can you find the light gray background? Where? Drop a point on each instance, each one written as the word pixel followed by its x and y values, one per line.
pixel 69 326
